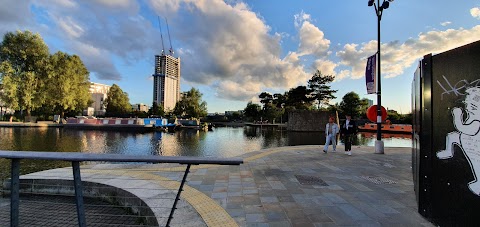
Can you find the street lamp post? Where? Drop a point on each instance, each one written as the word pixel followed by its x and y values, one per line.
pixel 379 146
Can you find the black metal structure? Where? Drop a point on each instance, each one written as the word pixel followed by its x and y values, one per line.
pixel 443 183
pixel 379 149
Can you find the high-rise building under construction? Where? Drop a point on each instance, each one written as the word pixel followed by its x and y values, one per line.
pixel 166 81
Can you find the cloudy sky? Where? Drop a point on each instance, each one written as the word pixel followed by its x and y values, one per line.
pixel 233 50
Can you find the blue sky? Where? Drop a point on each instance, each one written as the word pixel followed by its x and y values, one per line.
pixel 233 50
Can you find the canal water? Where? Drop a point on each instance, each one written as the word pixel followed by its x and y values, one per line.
pixel 222 142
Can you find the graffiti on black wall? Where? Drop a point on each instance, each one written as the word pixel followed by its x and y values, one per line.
pixel 459 88
pixel 466 135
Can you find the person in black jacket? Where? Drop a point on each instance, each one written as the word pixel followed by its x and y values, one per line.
pixel 348 130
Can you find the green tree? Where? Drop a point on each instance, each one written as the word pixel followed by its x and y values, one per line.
pixel 265 98
pixel 23 70
pixel 191 105
pixel 319 88
pixel 393 116
pixel 156 110
pixel 363 107
pixel 351 104
pixel 280 100
pixel 332 108
pixel 300 98
pixel 270 112
pixel 117 102
pixel 236 116
pixel 68 84
pixel 252 111
pixel 406 118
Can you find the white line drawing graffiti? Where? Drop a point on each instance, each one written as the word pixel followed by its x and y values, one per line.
pixel 458 88
pixel 467 135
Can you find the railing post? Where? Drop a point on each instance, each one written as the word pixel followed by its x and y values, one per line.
pixel 77 181
pixel 15 193
pixel 180 189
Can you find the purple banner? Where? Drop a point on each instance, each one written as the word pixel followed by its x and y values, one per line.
pixel 371 74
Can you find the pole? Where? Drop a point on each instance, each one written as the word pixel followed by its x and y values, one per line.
pixel 379 147
pixel 15 193
pixel 77 182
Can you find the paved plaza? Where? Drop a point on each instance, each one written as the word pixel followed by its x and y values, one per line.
pixel 286 186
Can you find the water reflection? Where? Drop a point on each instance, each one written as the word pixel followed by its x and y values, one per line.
pixel 269 136
pixel 222 142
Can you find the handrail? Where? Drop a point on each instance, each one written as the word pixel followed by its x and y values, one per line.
pixel 77 157
pixel 80 157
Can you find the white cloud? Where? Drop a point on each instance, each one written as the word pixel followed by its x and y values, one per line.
pixel 165 7
pixel 116 3
pixel 230 43
pixel 222 44
pixel 300 18
pixel 475 12
pixel 113 28
pixel 69 26
pixel 326 67
pixel 64 3
pixel 97 61
pixel 342 75
pixel 239 91
pixel 293 58
pixel 397 56
pixel 312 41
pixel 14 14
pixel 446 23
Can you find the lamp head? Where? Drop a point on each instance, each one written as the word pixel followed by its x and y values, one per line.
pixel 385 4
pixel 370 2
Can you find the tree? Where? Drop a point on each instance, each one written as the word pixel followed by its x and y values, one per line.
pixel 407 118
pixel 280 100
pixel 252 111
pixel 236 116
pixel 69 81
pixel 265 98
pixel 393 116
pixel 364 106
pixel 299 98
pixel 23 70
pixel 270 112
pixel 191 105
pixel 117 102
pixel 333 108
pixel 319 88
pixel 156 110
pixel 351 104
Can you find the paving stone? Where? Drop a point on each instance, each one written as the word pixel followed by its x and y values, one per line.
pixel 269 199
pixel 353 212
pixel 275 216
pixel 255 218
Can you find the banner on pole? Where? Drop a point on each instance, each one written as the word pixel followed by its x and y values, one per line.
pixel 371 74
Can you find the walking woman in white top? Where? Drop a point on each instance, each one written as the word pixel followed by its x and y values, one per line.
pixel 331 130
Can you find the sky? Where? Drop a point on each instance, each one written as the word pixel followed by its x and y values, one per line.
pixel 233 50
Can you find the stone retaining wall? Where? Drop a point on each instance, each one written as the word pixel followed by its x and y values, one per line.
pixel 308 120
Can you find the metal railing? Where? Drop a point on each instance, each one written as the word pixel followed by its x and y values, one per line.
pixel 76 157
